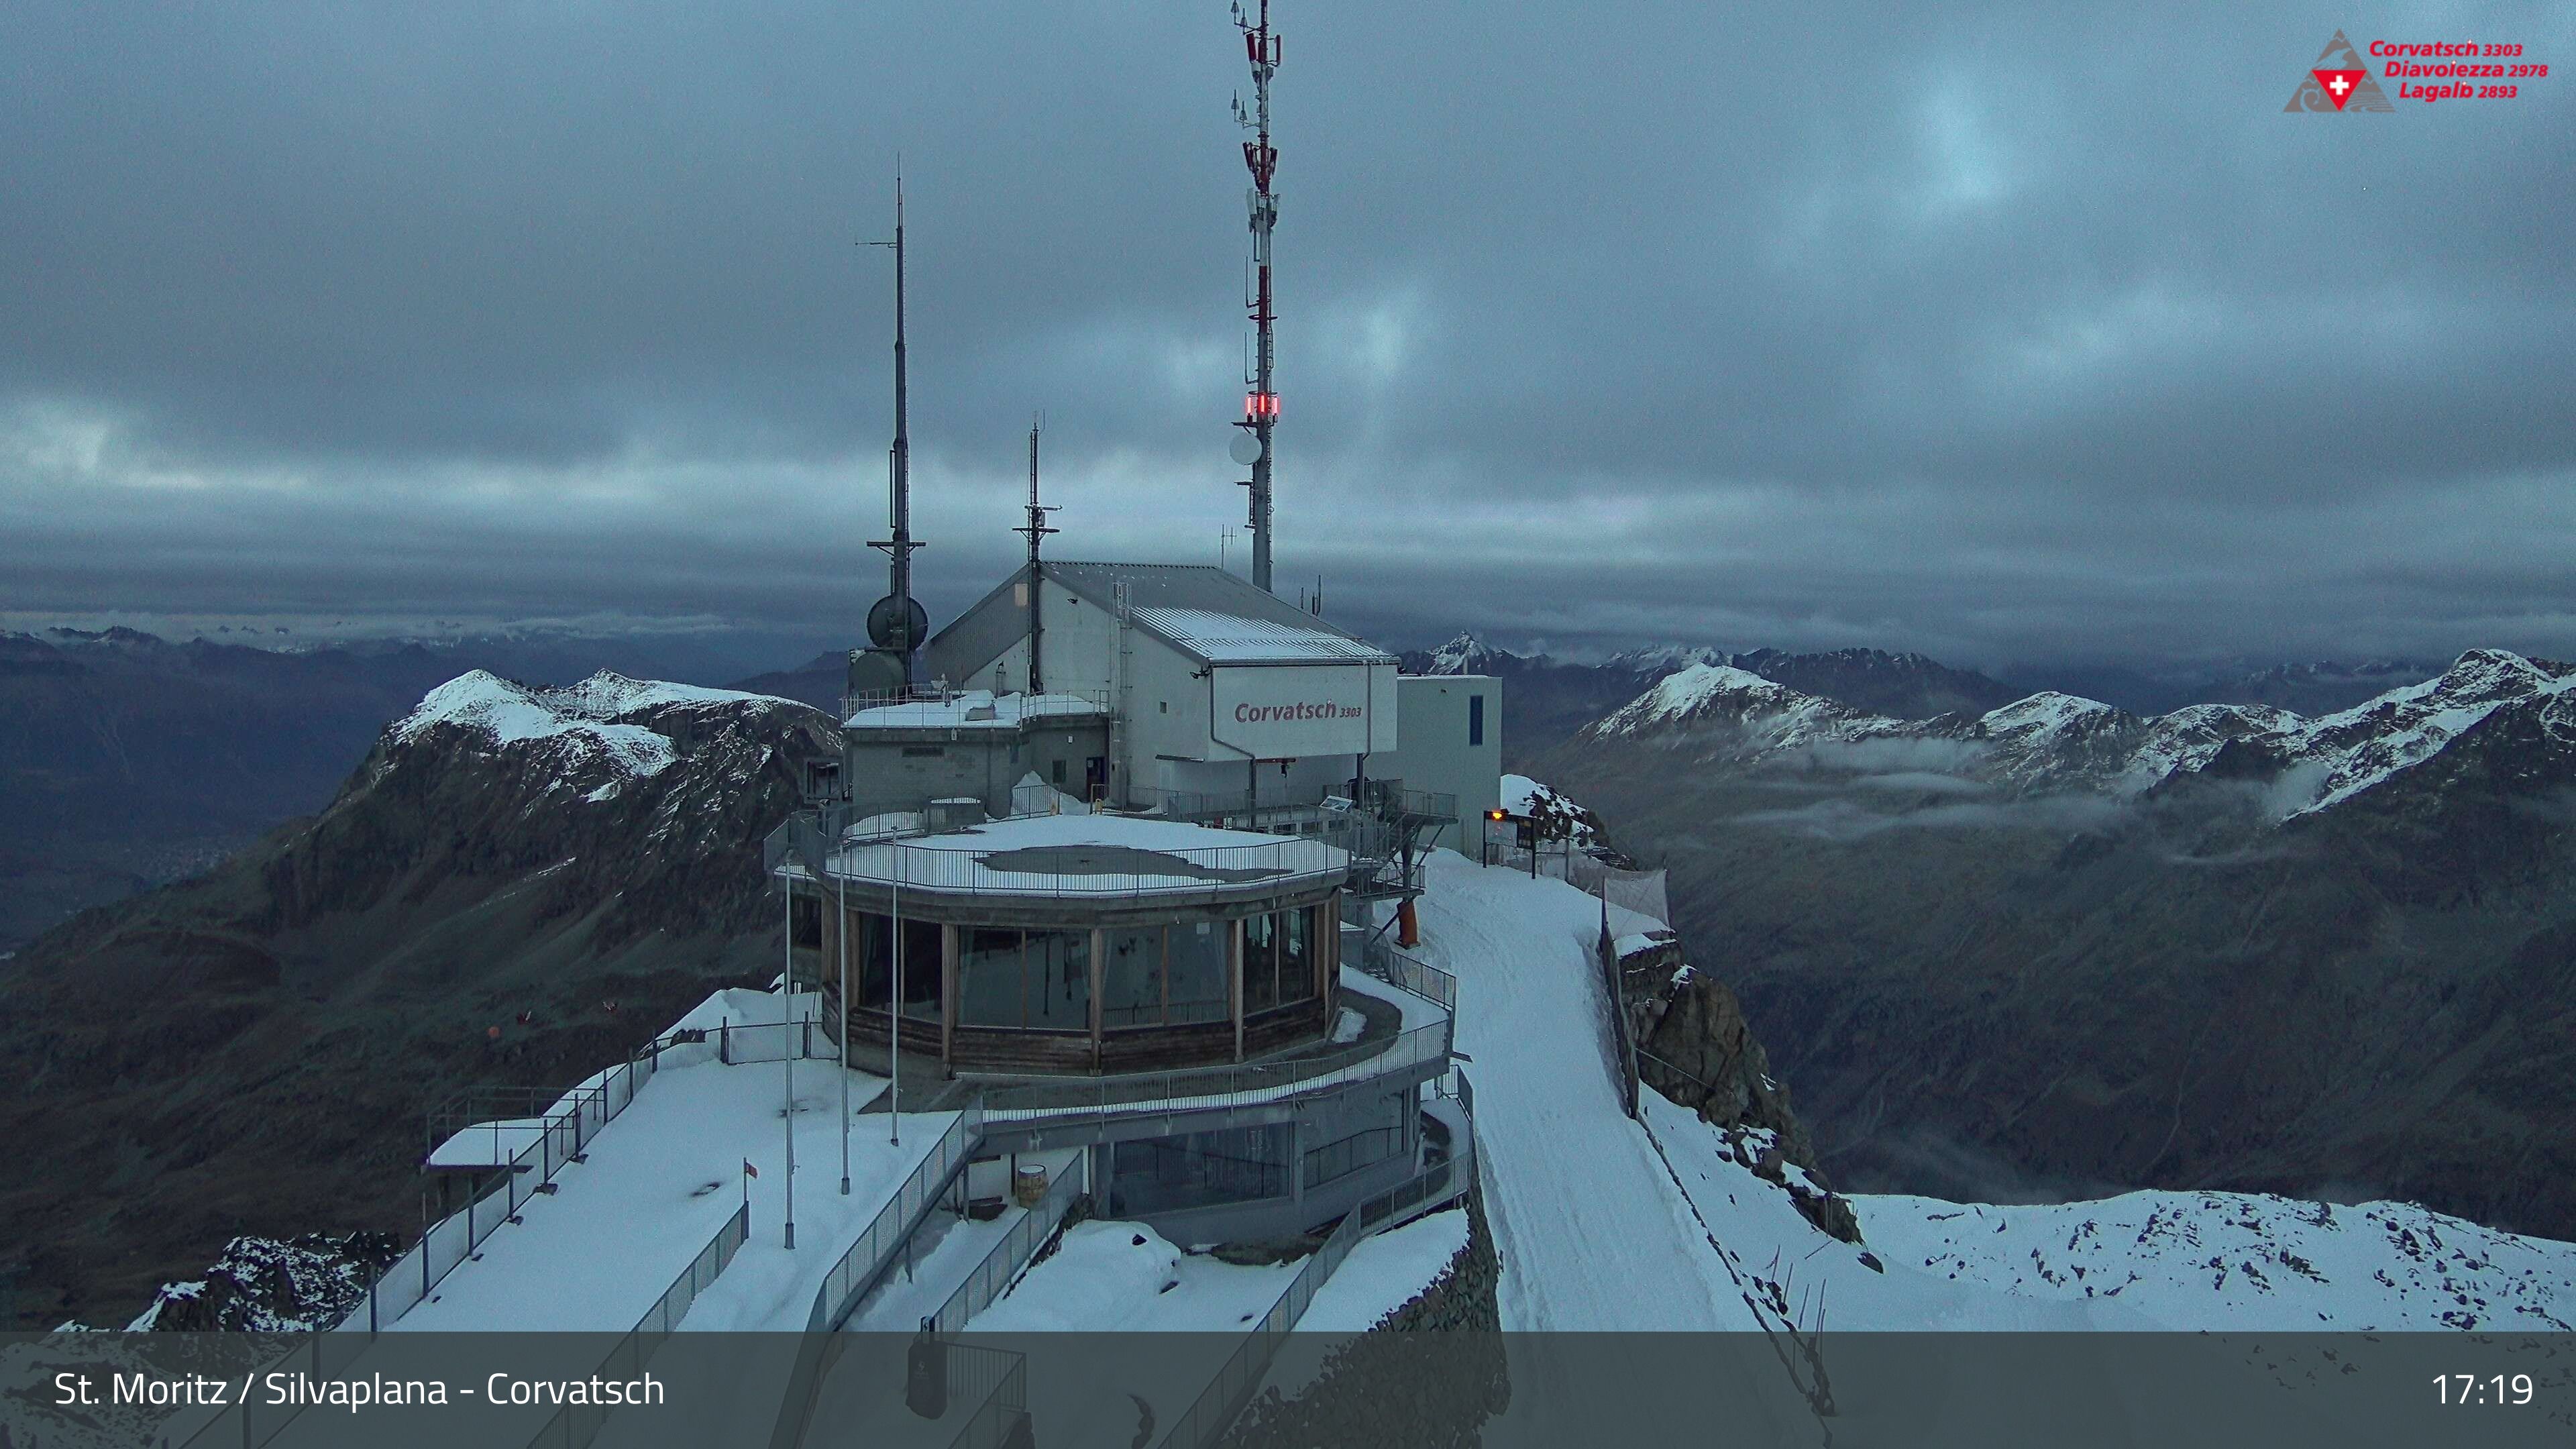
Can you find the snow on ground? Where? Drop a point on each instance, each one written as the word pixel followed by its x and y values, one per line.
pixel 1592 1234
pixel 1808 1278
pixel 1082 855
pixel 1385 1272
pixel 2240 1261
pixel 1125 1277
pixel 1415 1010
pixel 487 1144
pixel 949 1248
pixel 661 1179
pixel 1603 1222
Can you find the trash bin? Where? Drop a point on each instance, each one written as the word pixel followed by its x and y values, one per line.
pixel 1029 1185
pixel 925 1375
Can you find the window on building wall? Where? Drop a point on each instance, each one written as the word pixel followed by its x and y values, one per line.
pixel 992 987
pixel 1131 980
pixel 1199 1169
pixel 872 965
pixel 1278 967
pixel 1039 980
pixel 1260 963
pixel 1059 967
pixel 1195 967
pixel 1475 719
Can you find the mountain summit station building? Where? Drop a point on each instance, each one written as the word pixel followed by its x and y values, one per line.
pixel 1113 875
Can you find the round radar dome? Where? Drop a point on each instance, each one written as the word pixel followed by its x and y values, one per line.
pixel 1246 448
pixel 884 616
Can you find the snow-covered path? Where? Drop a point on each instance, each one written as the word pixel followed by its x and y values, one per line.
pixel 1592 1234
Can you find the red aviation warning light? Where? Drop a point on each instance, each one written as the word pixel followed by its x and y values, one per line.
pixel 1258 405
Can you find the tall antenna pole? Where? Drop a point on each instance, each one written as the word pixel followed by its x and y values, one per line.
pixel 1036 528
pixel 895 624
pixel 1261 406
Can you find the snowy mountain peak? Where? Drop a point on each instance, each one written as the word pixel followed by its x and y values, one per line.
pixel 1465 654
pixel 2052 742
pixel 1652 658
pixel 2049 712
pixel 586 726
pixel 1770 715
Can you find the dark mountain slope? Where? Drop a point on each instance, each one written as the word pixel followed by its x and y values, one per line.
pixel 250 1051
pixel 2218 948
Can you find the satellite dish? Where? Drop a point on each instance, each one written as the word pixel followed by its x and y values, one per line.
pixel 874 671
pixel 882 619
pixel 1245 448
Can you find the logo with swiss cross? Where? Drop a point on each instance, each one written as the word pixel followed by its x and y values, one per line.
pixel 2339 81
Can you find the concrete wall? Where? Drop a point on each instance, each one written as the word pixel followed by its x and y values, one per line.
pixel 902 772
pixel 1433 752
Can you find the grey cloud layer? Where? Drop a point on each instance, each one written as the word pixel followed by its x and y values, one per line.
pixel 2042 334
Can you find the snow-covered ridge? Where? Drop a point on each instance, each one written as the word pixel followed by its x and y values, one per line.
pixel 1722 692
pixel 2367 744
pixel 586 718
pixel 2056 742
pixel 2239 1261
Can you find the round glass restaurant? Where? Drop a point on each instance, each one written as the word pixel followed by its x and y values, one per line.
pixel 1060 944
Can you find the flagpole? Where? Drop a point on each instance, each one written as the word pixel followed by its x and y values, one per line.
pixel 790 1060
pixel 841 929
pixel 894 1016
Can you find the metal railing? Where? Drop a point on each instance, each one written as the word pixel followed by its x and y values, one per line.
pixel 563 1132
pixel 1381 959
pixel 744 1043
pixel 991 1276
pixel 872 1252
pixel 575 1425
pixel 1004 1405
pixel 1381 797
pixel 1344 1156
pixel 972 868
pixel 867 1259
pixel 1223 1399
pixel 1202 1088
pixel 1051 702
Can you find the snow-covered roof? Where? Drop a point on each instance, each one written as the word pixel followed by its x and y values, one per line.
pixel 973 709
pixel 1234 639
pixel 1086 855
pixel 1216 616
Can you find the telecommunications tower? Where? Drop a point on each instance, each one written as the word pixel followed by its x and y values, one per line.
pixel 1036 528
pixel 897 625
pixel 1261 404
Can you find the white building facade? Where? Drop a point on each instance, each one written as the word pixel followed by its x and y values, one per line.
pixel 1215 689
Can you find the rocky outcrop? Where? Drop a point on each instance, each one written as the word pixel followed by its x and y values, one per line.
pixel 264 1285
pixel 1696 1048
pixel 1432 1373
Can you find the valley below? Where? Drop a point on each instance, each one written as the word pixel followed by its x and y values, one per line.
pixel 2008 961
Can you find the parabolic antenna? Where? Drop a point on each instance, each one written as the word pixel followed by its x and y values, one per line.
pixel 1245 448
pixel 882 619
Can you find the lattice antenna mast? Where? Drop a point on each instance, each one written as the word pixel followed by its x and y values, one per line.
pixel 1035 529
pixel 1261 405
pixel 895 624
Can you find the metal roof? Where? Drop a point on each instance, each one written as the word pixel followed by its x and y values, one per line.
pixel 1215 616
pixel 1204 611
pixel 1231 639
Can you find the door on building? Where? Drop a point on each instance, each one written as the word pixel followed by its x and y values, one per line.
pixel 1095 778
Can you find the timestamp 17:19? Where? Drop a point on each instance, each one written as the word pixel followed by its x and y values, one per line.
pixel 2494 1389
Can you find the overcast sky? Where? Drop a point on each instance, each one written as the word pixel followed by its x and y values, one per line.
pixel 2037 334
